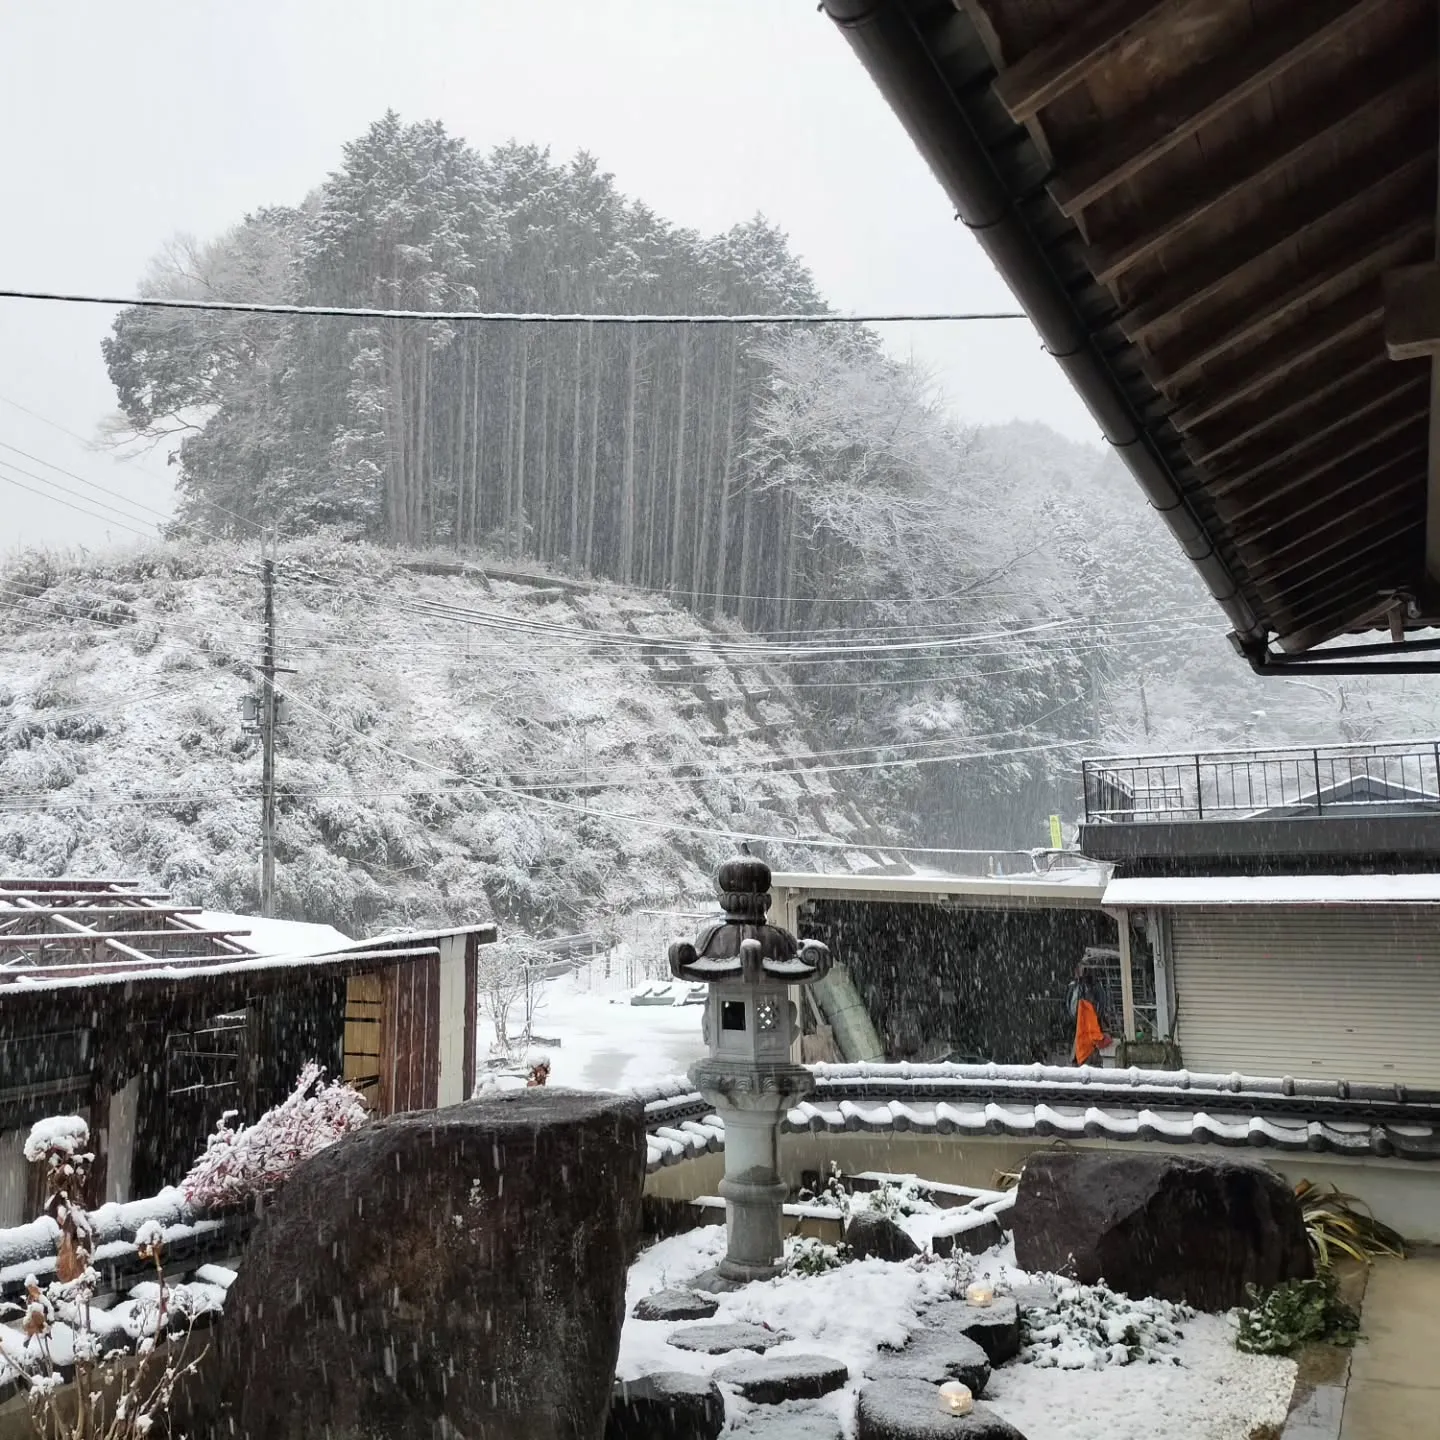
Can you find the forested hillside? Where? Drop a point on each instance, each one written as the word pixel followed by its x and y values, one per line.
pixel 997 594
pixel 429 770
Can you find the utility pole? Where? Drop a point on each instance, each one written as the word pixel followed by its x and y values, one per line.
pixel 267 744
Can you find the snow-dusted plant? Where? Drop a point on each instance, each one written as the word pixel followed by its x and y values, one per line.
pixel 62 1145
pixel 106 1397
pixel 1091 1327
pixel 811 1256
pixel 241 1164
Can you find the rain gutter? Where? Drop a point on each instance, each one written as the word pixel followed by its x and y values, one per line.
pixel 885 38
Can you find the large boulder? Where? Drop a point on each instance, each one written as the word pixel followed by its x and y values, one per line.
pixel 433 1273
pixel 1175 1227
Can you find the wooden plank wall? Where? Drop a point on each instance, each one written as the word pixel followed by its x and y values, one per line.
pixel 364 1025
pixel 410 1040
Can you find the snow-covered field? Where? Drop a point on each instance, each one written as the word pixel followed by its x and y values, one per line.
pixel 1198 1387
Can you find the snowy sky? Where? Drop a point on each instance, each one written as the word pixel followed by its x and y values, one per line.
pixel 121 125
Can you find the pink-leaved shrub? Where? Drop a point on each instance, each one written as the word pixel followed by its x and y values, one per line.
pixel 243 1163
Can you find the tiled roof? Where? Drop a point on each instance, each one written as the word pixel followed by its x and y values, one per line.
pixel 1038 1102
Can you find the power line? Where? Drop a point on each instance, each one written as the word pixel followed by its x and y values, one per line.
pixel 154 474
pixel 71 505
pixel 508 317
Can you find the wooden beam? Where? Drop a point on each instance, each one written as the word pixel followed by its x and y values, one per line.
pixel 89 937
pixel 1355 191
pixel 1064 59
pixel 1332 389
pixel 1338 552
pixel 1249 319
pixel 1406 445
pixel 1412 311
pixel 1273 153
pixel 1339 606
pixel 1369 478
pixel 1352 430
pixel 1170 118
pixel 1348 318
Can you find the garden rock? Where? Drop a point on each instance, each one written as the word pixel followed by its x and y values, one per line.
pixel 974 1239
pixel 669 1406
pixel 1172 1227
pixel 936 1356
pixel 790 1421
pixel 995 1328
pixel 675 1305
pixel 872 1236
pixel 720 1339
pixel 794 1377
pixel 910 1410
pixel 430 1274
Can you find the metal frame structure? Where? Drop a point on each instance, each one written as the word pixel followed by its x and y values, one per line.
pixel 90 925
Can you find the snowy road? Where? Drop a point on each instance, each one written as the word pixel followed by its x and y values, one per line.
pixel 608 1044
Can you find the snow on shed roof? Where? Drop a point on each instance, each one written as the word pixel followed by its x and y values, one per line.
pixel 263 936
pixel 1278 890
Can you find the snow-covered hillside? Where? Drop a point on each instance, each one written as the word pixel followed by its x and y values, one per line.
pixel 429 770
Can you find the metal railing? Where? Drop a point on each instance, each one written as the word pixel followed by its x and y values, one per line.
pixel 1397 778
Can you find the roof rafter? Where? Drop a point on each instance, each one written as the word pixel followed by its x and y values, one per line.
pixel 1365 258
pixel 1110 256
pixel 1058 64
pixel 1350 432
pixel 1348 317
pixel 1370 478
pixel 1353 191
pixel 1203 97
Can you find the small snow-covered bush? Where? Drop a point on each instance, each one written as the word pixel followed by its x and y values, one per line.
pixel 242 1164
pixel 1280 1321
pixel 810 1256
pixel 1091 1327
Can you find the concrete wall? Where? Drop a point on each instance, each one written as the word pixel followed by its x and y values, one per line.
pixel 1402 1193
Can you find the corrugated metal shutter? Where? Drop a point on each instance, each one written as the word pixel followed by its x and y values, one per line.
pixel 1349 993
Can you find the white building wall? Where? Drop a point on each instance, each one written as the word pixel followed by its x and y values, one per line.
pixel 453 1021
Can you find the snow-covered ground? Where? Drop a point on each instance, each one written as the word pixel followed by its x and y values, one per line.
pixel 606 1043
pixel 1199 1387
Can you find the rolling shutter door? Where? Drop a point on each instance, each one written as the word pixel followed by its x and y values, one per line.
pixel 1350 993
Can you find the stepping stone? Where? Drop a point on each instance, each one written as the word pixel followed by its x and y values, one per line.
pixel 936 1356
pixel 675 1305
pixel 790 1421
pixel 872 1236
pixel 668 1406
pixel 995 1328
pixel 910 1410
pixel 793 1377
pixel 720 1339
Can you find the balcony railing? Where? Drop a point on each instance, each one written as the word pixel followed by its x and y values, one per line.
pixel 1398 778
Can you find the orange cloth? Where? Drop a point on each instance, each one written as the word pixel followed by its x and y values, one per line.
pixel 1089 1037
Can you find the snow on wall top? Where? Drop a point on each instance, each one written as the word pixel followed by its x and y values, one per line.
pixel 1276 890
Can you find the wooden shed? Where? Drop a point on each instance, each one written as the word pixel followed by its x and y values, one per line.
pixel 116 1005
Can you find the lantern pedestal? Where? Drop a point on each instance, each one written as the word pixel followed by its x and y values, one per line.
pixel 752 1102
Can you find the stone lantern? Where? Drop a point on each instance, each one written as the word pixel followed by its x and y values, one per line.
pixel 749 1077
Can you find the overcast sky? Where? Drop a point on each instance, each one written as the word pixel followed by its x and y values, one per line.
pixel 121 125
